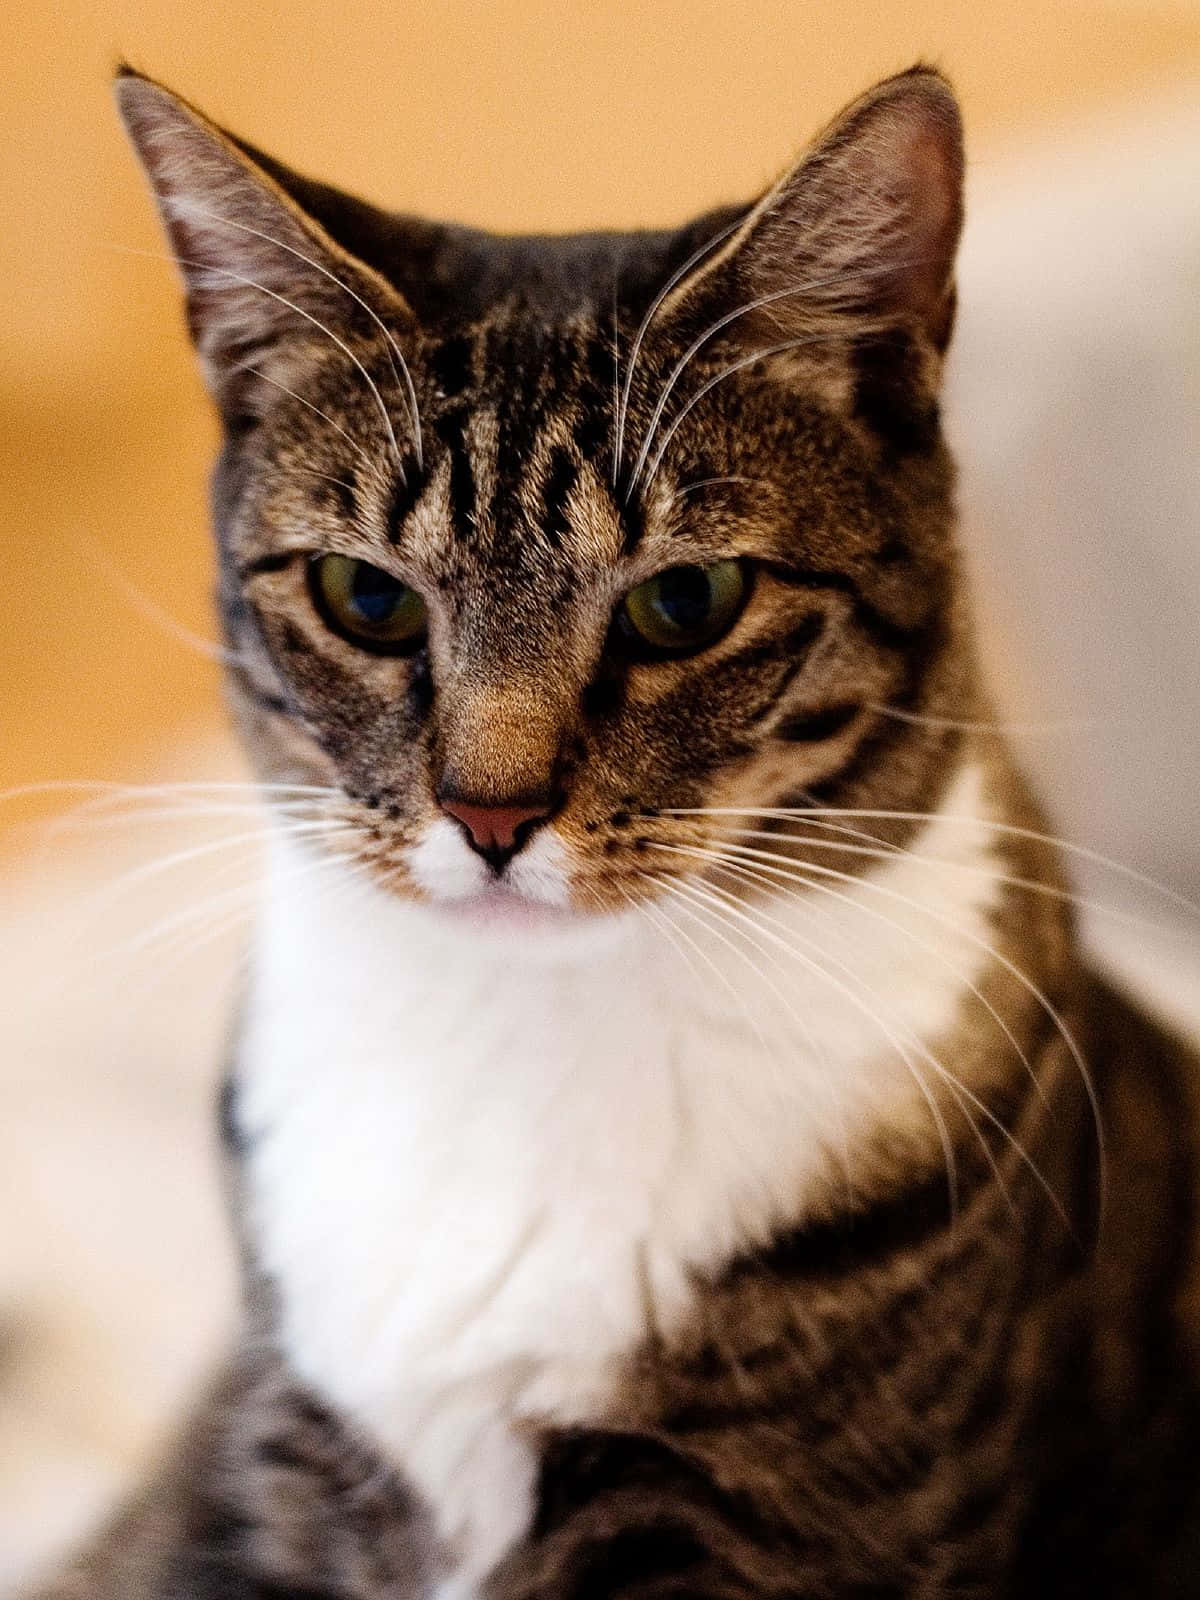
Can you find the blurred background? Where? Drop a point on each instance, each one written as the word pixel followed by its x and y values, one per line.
pixel 1074 402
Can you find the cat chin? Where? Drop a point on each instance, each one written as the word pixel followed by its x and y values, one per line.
pixel 533 904
pixel 501 909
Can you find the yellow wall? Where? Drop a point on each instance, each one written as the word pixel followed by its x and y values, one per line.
pixel 520 114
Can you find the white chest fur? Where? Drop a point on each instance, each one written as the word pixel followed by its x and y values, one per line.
pixel 477 1156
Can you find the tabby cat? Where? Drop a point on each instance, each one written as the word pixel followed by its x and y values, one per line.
pixel 678 1146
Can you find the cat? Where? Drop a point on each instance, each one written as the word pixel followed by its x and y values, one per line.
pixel 677 1142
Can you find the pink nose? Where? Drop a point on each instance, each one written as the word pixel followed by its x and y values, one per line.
pixel 494 829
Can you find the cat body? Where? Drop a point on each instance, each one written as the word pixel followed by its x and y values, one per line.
pixel 677 1145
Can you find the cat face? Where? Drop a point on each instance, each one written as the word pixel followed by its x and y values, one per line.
pixel 547 561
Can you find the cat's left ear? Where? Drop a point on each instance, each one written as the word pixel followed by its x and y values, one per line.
pixel 853 249
pixel 265 282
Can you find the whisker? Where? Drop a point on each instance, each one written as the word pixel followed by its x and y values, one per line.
pixel 327 477
pixel 248 891
pixel 250 283
pixel 185 207
pixel 364 455
pixel 183 812
pixel 151 869
pixel 677 885
pixel 955 1084
pixel 818 1050
pixel 616 394
pixel 830 280
pixel 149 608
pixel 1001 728
pixel 880 851
pixel 817 815
pixel 764 876
pixel 710 483
pixel 1021 977
pixel 712 966
pixel 726 372
pixel 129 799
pixel 670 886
pixel 643 328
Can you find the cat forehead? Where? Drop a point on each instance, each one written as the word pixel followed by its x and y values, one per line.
pixel 535 451
pixel 537 383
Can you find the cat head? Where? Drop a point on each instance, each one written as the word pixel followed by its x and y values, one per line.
pixel 546 560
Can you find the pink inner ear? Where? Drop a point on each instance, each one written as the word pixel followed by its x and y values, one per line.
pixel 870 217
pixel 926 164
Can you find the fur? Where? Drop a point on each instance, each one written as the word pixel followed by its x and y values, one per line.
pixel 703 1192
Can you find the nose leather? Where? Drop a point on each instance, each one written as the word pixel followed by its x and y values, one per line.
pixel 494 830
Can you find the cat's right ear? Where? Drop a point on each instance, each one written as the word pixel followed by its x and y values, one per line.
pixel 264 281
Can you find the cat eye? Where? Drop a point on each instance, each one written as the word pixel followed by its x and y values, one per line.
pixel 367 605
pixel 682 610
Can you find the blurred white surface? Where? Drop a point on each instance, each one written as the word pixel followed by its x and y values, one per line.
pixel 1074 404
pixel 1074 407
pixel 116 1272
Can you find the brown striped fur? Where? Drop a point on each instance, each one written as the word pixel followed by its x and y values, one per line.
pixel 915 1395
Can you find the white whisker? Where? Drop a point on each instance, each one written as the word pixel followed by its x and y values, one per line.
pixel 768 877
pixel 643 327
pixel 148 607
pixel 818 815
pixel 955 1085
pixel 880 851
pixel 187 207
pixel 363 455
pixel 726 372
pixel 677 886
pixel 817 1049
pixel 250 283
pixel 1002 729
pixel 984 945
pixel 830 280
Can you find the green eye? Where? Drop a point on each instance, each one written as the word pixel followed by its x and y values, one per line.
pixel 367 606
pixel 683 609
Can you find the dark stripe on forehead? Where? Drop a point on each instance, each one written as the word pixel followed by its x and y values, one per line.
pixel 600 364
pixel 593 436
pixel 451 429
pixel 561 478
pixel 453 366
pixel 403 496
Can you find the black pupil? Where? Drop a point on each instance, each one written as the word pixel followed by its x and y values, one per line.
pixel 376 594
pixel 685 597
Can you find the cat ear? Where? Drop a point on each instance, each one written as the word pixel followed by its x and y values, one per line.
pixel 263 278
pixel 859 236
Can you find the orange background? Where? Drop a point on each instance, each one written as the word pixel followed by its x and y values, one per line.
pixel 525 114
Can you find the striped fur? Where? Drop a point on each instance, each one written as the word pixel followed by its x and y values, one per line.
pixel 964 1363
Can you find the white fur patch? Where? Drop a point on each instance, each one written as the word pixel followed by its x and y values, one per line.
pixel 474 1148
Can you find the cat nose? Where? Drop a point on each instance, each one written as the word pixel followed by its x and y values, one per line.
pixel 497 832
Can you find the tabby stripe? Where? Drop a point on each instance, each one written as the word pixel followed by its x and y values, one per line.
pixel 592 434
pixel 402 497
pixel 452 366
pixel 877 747
pixel 579 1467
pixel 813 727
pixel 451 429
pixel 561 478
pixel 275 562
pixel 264 698
pixel 884 630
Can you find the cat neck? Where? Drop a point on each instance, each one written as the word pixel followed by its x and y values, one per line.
pixel 481 1166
